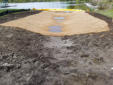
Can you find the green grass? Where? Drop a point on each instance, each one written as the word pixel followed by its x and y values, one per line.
pixel 3 10
pixel 107 12
pixel 82 6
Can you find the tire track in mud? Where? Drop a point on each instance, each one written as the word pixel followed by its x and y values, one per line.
pixel 47 60
pixel 59 47
pixel 75 70
pixel 63 58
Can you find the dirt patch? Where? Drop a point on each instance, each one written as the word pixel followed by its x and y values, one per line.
pixel 28 58
pixel 74 23
pixel 17 15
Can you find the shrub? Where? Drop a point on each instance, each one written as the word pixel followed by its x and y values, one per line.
pixel 103 5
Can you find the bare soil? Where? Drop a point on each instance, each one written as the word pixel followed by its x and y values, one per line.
pixel 28 58
pixel 16 15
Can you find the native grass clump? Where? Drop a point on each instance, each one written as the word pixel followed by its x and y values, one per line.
pixel 103 4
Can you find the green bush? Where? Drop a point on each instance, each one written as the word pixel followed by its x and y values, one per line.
pixel 102 5
pixel 82 6
pixel 9 11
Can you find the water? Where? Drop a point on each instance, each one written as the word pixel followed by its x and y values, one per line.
pixel 55 28
pixel 39 5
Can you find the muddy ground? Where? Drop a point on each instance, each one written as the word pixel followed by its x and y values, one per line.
pixel 16 15
pixel 28 58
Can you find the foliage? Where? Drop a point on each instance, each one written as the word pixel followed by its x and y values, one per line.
pixel 103 4
pixel 9 11
pixel 3 10
pixel 107 12
pixel 82 6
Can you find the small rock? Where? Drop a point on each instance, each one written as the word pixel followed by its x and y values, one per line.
pixel 9 36
pixel 101 36
pixel 7 66
pixel 112 68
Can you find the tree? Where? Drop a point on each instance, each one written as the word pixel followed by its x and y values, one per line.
pixel 77 1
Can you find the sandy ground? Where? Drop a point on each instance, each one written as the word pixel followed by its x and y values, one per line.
pixel 73 23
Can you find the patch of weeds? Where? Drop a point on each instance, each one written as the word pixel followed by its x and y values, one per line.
pixel 81 6
pixel 106 12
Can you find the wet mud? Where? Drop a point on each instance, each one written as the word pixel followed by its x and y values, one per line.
pixel 28 58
